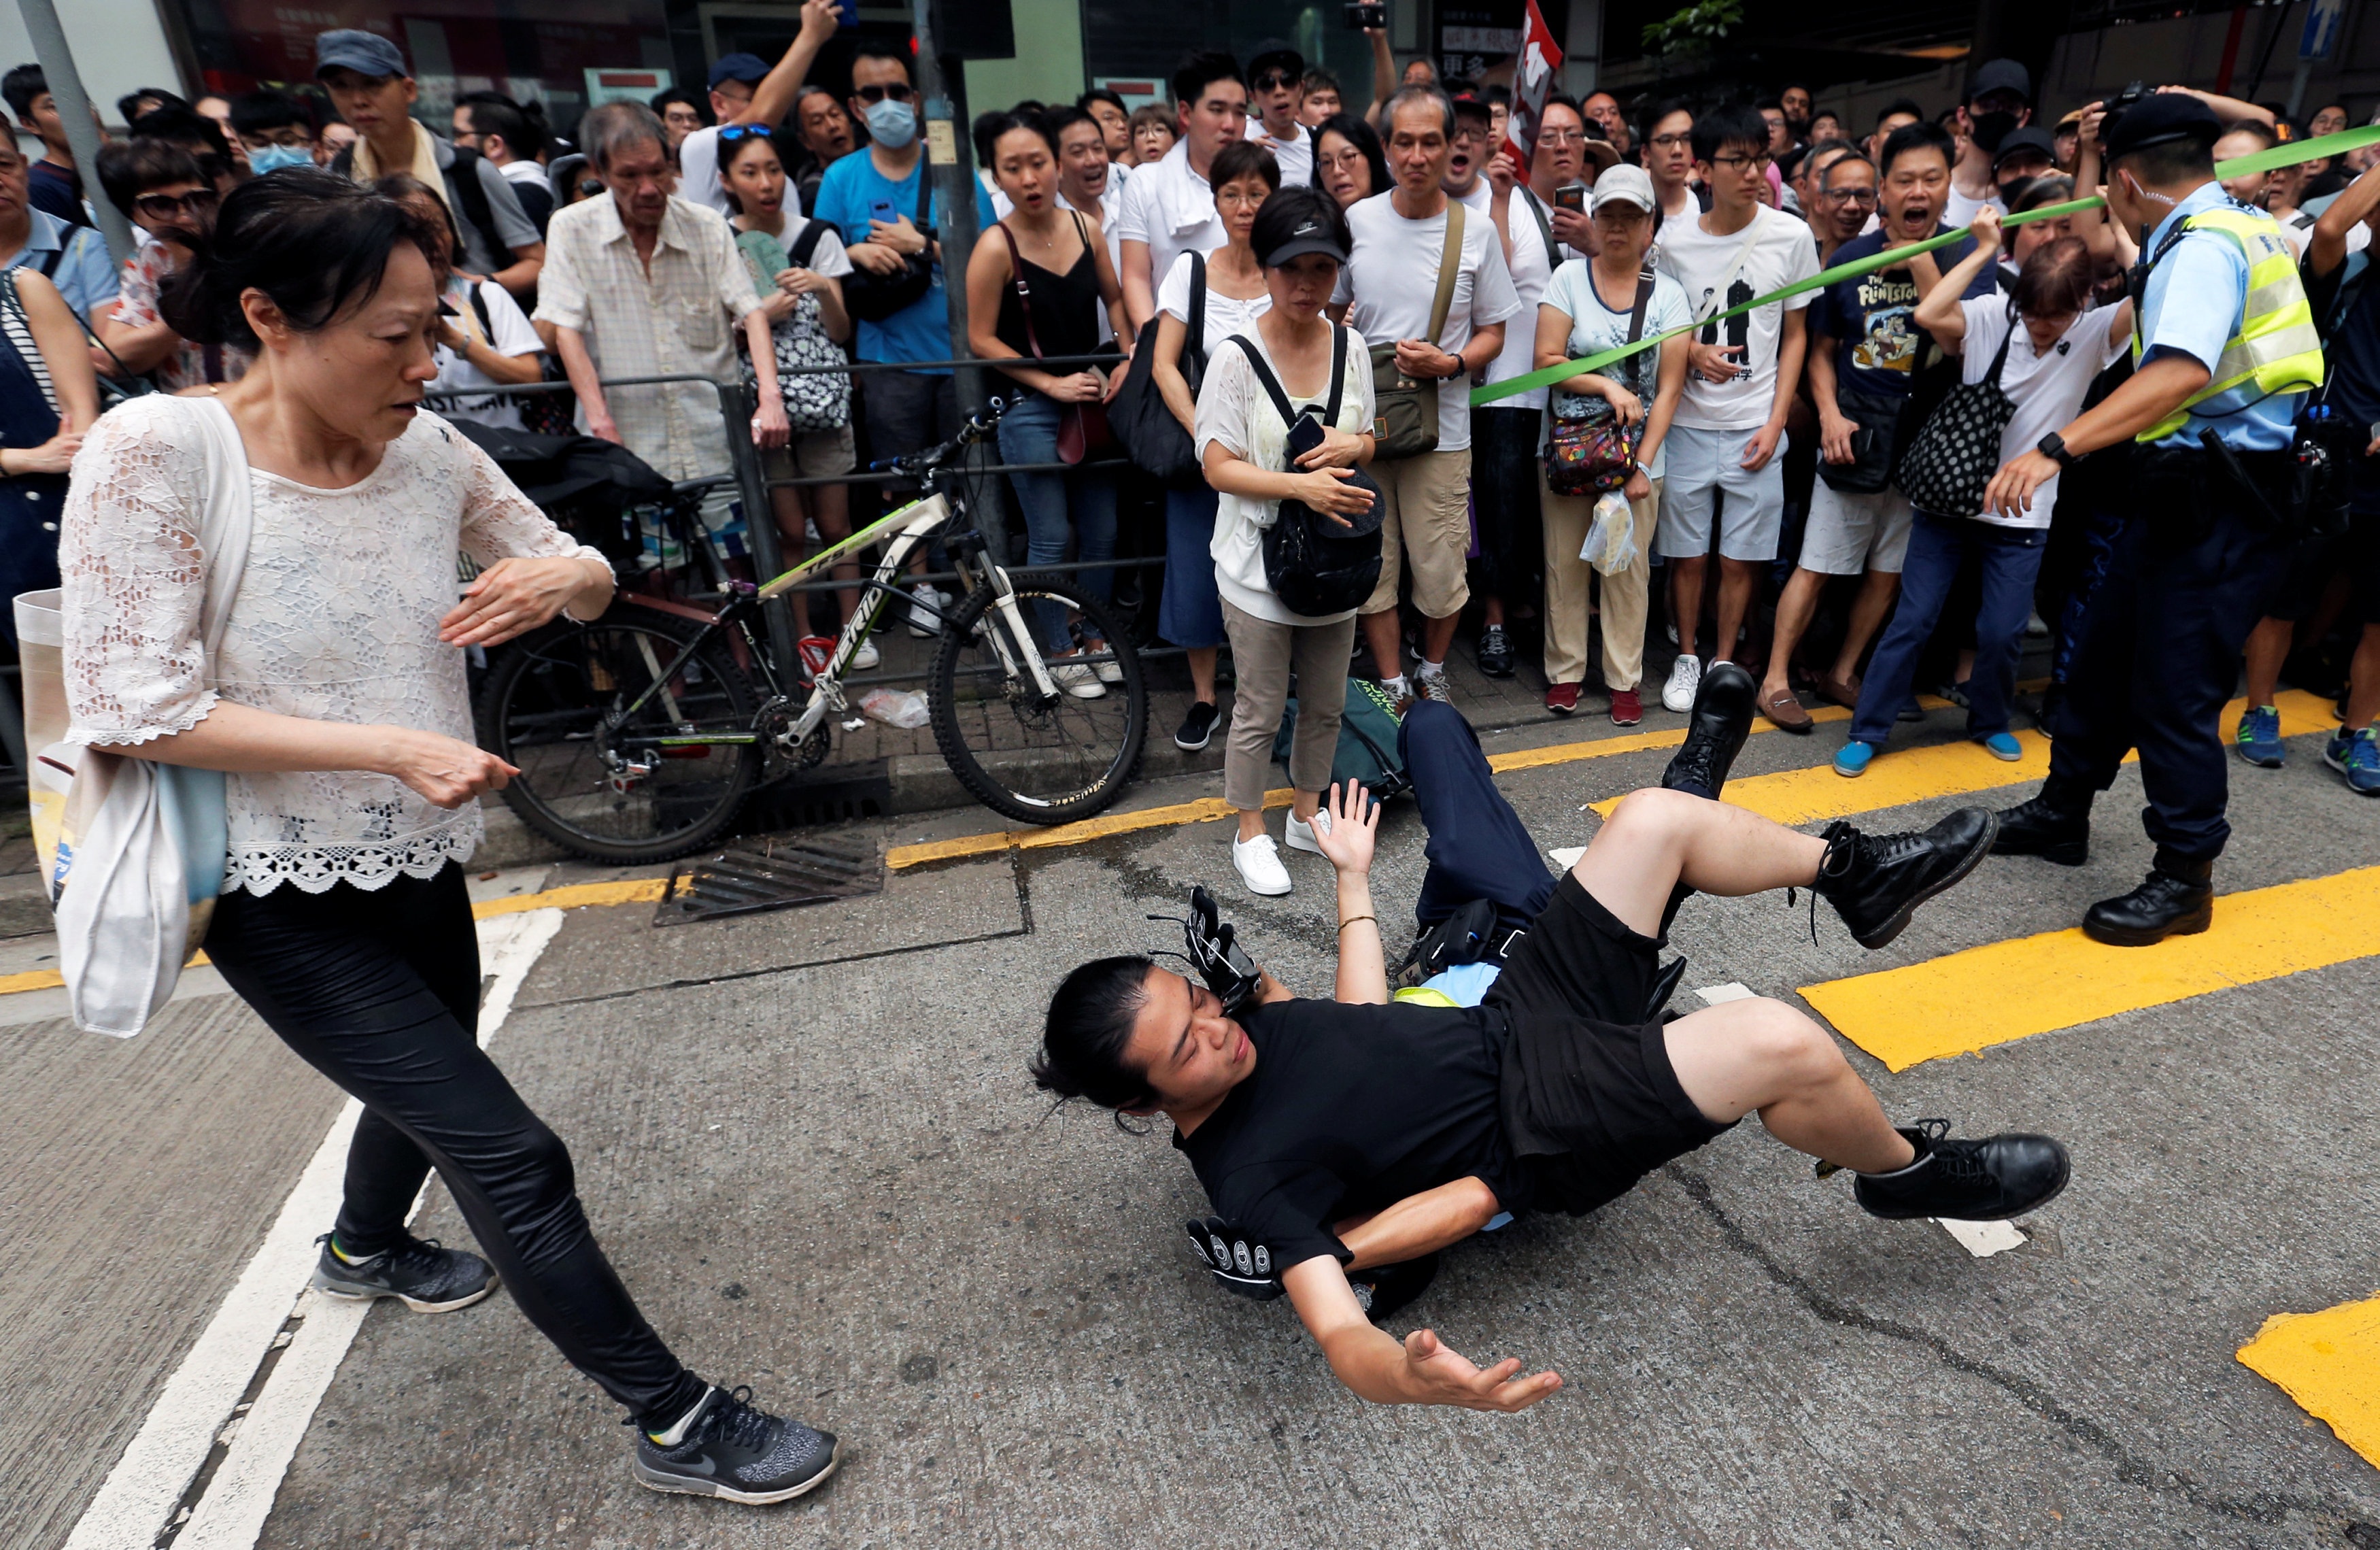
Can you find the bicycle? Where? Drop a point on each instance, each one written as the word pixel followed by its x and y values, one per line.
pixel 641 736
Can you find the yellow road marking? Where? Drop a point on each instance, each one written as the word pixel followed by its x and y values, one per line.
pixel 633 890
pixel 2328 1362
pixel 1966 1002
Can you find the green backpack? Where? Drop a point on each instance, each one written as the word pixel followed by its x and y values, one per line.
pixel 1367 752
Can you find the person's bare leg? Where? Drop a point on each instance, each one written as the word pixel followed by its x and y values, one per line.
pixel 1656 840
pixel 1492 610
pixel 1869 610
pixel 2363 680
pixel 1437 638
pixel 1738 581
pixel 1202 672
pixel 830 509
pixel 1796 606
pixel 1686 598
pixel 2268 647
pixel 1387 650
pixel 1758 1054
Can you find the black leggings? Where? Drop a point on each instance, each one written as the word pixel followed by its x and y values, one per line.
pixel 380 992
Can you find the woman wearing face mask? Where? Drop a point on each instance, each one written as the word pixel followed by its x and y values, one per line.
pixel 1348 161
pixel 484 339
pixel 1244 175
pixel 1302 240
pixel 802 290
pixel 1036 287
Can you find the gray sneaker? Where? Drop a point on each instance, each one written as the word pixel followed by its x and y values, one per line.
pixel 1433 686
pixel 729 1448
pixel 430 1278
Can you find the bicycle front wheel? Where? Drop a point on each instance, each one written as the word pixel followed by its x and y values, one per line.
pixel 1037 759
pixel 664 781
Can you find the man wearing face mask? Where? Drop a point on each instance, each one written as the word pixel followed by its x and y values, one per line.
pixel 1998 104
pixel 274 130
pixel 2226 350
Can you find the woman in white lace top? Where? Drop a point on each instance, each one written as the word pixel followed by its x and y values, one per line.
pixel 337 701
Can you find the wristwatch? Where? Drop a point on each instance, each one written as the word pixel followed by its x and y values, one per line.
pixel 2053 446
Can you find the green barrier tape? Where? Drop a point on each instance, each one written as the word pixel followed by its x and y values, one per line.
pixel 2240 167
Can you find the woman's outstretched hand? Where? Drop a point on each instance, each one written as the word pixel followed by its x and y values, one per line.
pixel 1347 827
pixel 513 596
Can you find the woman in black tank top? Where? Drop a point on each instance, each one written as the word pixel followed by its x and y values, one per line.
pixel 1036 289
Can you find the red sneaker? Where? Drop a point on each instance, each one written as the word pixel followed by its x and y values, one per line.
pixel 1561 699
pixel 1627 708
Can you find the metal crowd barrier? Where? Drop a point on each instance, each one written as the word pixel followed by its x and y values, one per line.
pixel 736 408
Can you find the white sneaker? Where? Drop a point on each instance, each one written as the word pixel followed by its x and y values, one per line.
pixel 1076 681
pixel 1685 676
pixel 866 657
pixel 922 625
pixel 1259 867
pixel 1110 671
pixel 1300 834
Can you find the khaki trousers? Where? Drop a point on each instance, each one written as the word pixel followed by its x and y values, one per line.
pixel 1263 655
pixel 1568 519
pixel 1425 522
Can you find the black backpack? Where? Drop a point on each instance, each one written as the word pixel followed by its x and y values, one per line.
pixel 1317 564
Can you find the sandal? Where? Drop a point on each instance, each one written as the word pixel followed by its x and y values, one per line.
pixel 1786 711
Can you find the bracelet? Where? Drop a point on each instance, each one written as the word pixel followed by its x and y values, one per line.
pixel 1358 921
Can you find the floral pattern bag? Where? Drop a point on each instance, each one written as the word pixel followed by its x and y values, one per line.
pixel 812 372
pixel 1590 453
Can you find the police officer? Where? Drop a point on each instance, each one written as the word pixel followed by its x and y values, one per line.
pixel 2225 351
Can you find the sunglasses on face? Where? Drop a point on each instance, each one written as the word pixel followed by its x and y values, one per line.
pixel 873 95
pixel 1275 81
pixel 172 207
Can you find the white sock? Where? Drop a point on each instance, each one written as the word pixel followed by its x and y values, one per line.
pixel 1429 670
pixel 676 1434
pixel 1396 685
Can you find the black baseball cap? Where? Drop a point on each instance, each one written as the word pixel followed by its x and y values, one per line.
pixel 2023 142
pixel 1276 51
pixel 2167 116
pixel 1309 236
pixel 2000 75
pixel 749 68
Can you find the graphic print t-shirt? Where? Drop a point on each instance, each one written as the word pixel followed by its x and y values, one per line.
pixel 1780 252
pixel 1870 316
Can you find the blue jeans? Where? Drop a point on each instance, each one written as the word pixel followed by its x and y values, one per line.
pixel 1028 433
pixel 2010 558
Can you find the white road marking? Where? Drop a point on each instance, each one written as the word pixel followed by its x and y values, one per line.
pixel 1732 991
pixel 1567 856
pixel 1983 1240
pixel 165 1454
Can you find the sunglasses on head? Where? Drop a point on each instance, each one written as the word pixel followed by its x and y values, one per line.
pixel 872 94
pixel 731 133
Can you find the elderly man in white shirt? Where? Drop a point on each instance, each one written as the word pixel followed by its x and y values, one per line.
pixel 1168 209
pixel 644 284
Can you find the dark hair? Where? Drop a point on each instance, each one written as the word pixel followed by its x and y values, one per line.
pixel 521 125
pixel 1360 135
pixel 1238 160
pixel 1474 107
pixel 1899 105
pixel 1086 1032
pixel 21 86
pixel 1496 96
pixel 1278 217
pixel 1660 110
pixel 1920 136
pixel 1056 121
pixel 877 48
pixel 1157 114
pixel 660 100
pixel 2169 161
pixel 127 104
pixel 1735 124
pixel 1563 99
pixel 316 243
pixel 1101 94
pixel 2056 281
pixel 730 152
pixel 984 130
pixel 2052 188
pixel 1762 104
pixel 2256 127
pixel 253 113
pixel 1320 79
pixel 128 168
pixel 1404 95
pixel 404 186
pixel 1007 124
pixel 181 126
pixel 1202 70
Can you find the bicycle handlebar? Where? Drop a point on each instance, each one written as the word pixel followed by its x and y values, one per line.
pixel 917 464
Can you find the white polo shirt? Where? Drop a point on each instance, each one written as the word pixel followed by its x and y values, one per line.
pixel 1171 209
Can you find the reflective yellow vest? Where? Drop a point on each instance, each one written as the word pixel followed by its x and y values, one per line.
pixel 2275 346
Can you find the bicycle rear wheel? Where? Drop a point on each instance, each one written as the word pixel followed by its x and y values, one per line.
pixel 1036 761
pixel 663 783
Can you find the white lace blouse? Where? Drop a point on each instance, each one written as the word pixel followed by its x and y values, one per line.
pixel 336 619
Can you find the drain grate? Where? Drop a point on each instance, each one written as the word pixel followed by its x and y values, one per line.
pixel 771 871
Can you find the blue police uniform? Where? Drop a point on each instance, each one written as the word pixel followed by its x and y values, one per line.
pixel 2160 650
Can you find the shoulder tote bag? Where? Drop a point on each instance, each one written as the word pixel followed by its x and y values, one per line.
pixel 871 297
pixel 1954 455
pixel 1316 565
pixel 138 848
pixel 1590 453
pixel 1404 409
pixel 1138 414
pixel 1082 428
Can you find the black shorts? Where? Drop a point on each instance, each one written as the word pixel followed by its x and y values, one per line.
pixel 1590 1103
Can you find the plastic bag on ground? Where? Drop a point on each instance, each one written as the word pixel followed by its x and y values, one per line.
pixel 1611 544
pixel 895 708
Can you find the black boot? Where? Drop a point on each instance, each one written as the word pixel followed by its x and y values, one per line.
pixel 1987 1181
pixel 2055 825
pixel 1874 881
pixel 2176 899
pixel 1716 729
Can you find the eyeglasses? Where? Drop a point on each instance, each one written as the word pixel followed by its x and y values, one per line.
pixel 1470 132
pixel 1672 143
pixel 729 134
pixel 1741 164
pixel 1850 196
pixel 895 91
pixel 171 207
pixel 1562 137
pixel 1275 80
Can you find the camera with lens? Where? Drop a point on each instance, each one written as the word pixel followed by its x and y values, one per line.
pixel 1360 17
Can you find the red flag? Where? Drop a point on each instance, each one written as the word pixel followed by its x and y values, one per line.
pixel 1534 75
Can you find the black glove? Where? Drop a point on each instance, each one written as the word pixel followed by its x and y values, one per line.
pixel 1217 955
pixel 1243 1267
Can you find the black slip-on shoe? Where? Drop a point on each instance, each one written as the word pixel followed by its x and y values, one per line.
pixel 1198 728
pixel 1987 1181
pixel 1716 729
pixel 1385 1288
pixel 428 1277
pixel 2176 899
pixel 734 1450
pixel 2043 826
pixel 1875 881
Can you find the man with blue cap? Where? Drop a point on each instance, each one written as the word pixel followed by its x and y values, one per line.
pixel 2225 353
pixel 750 96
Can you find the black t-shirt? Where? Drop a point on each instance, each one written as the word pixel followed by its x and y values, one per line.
pixel 1349 1110
pixel 2351 336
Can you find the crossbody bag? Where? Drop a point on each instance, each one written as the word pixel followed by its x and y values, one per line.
pixel 1404 409
pixel 1316 565
pixel 1082 428
pixel 1590 453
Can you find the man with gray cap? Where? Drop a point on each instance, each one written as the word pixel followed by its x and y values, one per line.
pixel 748 93
pixel 374 92
pixel 1999 101
pixel 2226 350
